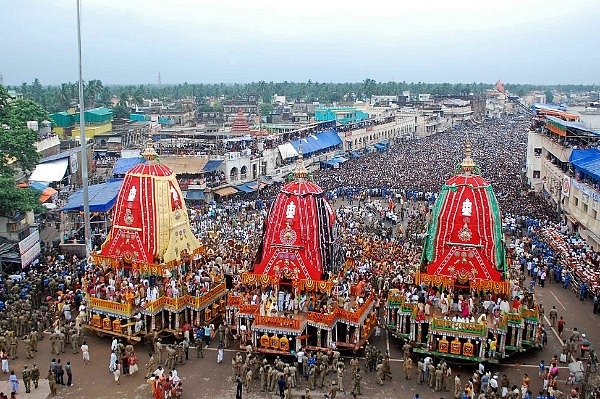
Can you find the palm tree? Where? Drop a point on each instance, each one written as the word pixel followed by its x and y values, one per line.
pixel 66 95
pixel 91 91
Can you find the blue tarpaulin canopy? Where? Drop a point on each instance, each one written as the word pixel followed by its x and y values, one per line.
pixel 354 154
pixel 102 197
pixel 339 159
pixel 247 187
pixel 38 185
pixel 318 142
pixel 123 165
pixel 586 162
pixel 244 188
pixel 330 163
pixel 379 146
pixel 193 195
pixel 212 165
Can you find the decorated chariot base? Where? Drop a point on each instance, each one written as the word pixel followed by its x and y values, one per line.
pixel 281 319
pixel 491 331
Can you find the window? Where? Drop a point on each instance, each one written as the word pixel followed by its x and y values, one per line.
pixel 594 214
pixel 537 152
pixel 575 201
pixel 585 208
pixel 536 174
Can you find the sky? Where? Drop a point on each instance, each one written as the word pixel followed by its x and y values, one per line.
pixel 240 41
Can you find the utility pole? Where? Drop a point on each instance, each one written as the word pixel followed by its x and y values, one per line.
pixel 83 144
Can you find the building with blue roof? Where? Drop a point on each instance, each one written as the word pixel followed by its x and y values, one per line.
pixel 563 165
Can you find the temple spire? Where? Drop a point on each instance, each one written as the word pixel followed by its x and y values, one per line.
pixel 149 152
pixel 300 172
pixel 467 165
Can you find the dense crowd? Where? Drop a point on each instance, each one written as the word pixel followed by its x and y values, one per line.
pixel 381 201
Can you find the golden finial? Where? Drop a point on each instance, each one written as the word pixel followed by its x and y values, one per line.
pixel 468 165
pixel 149 152
pixel 300 173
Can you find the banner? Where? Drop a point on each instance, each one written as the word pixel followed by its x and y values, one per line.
pixel 74 163
pixel 566 186
pixel 30 248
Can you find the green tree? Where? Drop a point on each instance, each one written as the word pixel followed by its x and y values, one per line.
pixel 218 107
pixel 266 108
pixel 19 112
pixel 549 96
pixel 368 89
pixel 17 199
pixel 67 95
pixel 18 151
pixel 121 111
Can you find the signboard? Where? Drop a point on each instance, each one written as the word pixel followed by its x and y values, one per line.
pixel 30 248
pixel 585 189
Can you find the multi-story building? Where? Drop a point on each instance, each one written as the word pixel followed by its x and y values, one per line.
pixel 563 164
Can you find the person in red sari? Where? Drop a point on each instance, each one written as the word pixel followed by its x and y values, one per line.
pixel 157 389
pixel 464 308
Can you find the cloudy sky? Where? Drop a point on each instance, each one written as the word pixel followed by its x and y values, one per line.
pixel 202 41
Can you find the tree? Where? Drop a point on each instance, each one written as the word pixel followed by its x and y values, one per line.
pixel 266 108
pixel 549 96
pixel 368 88
pixel 92 91
pixel 16 140
pixel 19 112
pixel 121 111
pixel 4 97
pixel 67 95
pixel 18 151
pixel 13 199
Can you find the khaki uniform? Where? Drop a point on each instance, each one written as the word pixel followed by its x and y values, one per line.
pixel 27 379
pixel 407 368
pixel 35 375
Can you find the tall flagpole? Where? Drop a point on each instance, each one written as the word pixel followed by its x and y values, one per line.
pixel 83 144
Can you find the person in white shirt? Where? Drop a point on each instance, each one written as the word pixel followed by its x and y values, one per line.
pixel 494 384
pixel 300 356
pixel 159 372
pixel 85 350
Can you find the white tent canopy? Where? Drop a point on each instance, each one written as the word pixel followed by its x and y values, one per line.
pixel 50 171
pixel 287 150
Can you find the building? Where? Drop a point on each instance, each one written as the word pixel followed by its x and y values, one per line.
pixel 457 110
pixel 562 159
pixel 248 104
pixel 342 115
pixel 97 121
pixel 62 171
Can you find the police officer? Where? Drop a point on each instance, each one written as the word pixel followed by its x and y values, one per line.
pixel 35 375
pixel 380 375
pixel 27 379
pixel 356 383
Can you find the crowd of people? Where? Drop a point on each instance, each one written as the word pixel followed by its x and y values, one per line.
pixel 380 200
